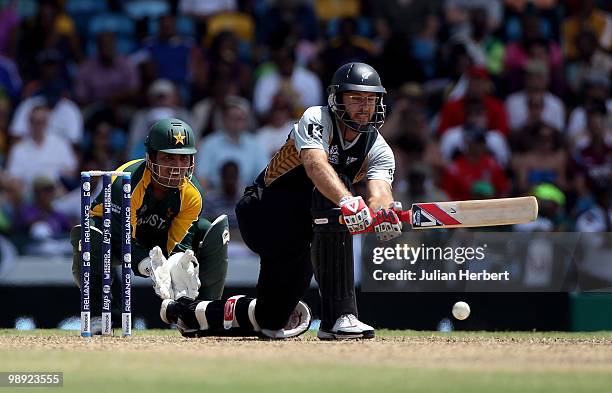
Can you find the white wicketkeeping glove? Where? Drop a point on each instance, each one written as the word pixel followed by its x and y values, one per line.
pixel 160 274
pixel 185 273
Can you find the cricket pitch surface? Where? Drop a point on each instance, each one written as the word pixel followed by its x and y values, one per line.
pixel 396 361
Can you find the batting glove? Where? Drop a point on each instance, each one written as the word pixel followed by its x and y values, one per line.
pixel 356 214
pixel 387 224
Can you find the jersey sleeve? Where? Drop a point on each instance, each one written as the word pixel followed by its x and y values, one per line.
pixel 312 131
pixel 381 162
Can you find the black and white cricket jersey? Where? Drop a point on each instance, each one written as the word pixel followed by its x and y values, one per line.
pixel 367 156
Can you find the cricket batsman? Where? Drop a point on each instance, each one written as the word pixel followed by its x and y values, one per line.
pixel 169 238
pixel 291 217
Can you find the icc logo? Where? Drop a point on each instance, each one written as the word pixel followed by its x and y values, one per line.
pixel 106 289
pixel 86 186
pixel 126 188
pixel 86 256
pixel 107 223
pixel 127 258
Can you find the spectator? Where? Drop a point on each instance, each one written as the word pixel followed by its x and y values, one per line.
pixel 41 152
pixel 484 48
pixel 164 102
pixel 279 122
pixel 409 134
pixel 169 56
pixel 591 59
pixel 452 142
pixel 532 46
pixel 69 204
pixel 402 18
pixel 10 81
pixel 521 139
pixel 585 15
pixel 596 88
pixel 51 70
pixel 288 79
pixel 479 86
pixel 223 200
pixel 223 62
pixel 456 63
pixel 109 78
pixel 397 64
pixel 65 119
pixel 598 216
pixel 39 220
pixel 105 145
pixel 592 158
pixel 536 88
pixel 408 113
pixel 231 143
pixel 48 29
pixel 207 113
pixel 295 19
pixel 544 162
pixel 425 46
pixel 345 48
pixel 474 173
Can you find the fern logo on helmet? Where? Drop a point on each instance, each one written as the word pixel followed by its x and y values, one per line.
pixel 366 75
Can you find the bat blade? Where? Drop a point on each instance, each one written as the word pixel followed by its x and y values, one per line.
pixel 475 213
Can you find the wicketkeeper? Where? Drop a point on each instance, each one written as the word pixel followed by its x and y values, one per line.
pixel 166 205
pixel 291 216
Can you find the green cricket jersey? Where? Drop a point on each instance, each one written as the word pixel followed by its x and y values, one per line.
pixel 167 223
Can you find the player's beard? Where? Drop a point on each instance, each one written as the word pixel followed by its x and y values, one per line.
pixel 170 176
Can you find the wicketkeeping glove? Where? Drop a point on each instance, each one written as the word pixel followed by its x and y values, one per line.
pixel 356 214
pixel 160 274
pixel 185 273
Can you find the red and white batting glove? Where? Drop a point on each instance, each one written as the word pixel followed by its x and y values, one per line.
pixel 387 224
pixel 356 214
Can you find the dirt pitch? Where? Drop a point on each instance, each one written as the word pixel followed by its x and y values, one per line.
pixel 394 361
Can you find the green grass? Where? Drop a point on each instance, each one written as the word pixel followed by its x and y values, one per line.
pixel 400 361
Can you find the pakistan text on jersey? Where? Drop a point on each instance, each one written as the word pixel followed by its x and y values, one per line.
pixel 153 220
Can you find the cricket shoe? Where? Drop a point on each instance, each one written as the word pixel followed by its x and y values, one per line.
pixel 182 313
pixel 347 327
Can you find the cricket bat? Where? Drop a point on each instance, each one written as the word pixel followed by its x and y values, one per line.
pixel 474 213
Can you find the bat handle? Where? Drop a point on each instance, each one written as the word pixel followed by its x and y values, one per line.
pixel 403 215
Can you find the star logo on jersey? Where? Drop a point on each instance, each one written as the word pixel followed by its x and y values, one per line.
pixel 179 138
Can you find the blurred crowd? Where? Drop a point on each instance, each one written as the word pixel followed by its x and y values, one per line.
pixel 486 98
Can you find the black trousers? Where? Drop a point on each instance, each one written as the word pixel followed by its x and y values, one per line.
pixel 276 223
